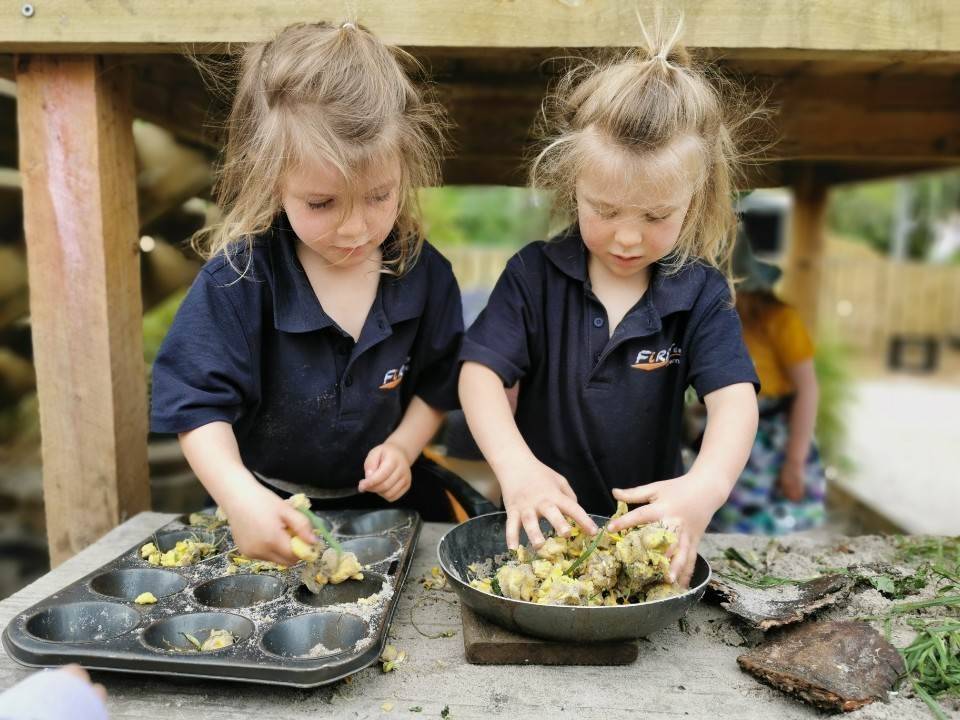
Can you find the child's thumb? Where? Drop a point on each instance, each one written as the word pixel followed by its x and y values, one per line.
pixel 373 460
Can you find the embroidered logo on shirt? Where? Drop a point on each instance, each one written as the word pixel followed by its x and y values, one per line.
pixel 392 378
pixel 654 359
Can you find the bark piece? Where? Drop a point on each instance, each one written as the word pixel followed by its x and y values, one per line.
pixel 781 605
pixel 832 665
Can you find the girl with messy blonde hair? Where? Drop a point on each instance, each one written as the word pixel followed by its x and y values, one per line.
pixel 318 343
pixel 605 325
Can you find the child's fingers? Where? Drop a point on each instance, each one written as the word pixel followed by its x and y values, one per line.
pixel 556 518
pixel 373 460
pixel 673 524
pixel 395 486
pixel 637 516
pixel 513 530
pixel 572 509
pixel 100 691
pixel 298 524
pixel 637 495
pixel 76 671
pixel 678 564
pixel 397 492
pixel 531 523
pixel 687 575
pixel 378 481
pixel 565 488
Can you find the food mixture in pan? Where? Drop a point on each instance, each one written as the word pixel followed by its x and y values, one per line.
pixel 609 569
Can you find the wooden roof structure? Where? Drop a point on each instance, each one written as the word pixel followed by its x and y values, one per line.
pixel 863 89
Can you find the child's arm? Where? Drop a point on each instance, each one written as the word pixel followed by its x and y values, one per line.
pixel 688 502
pixel 387 466
pixel 260 521
pixel 530 489
pixel 803 419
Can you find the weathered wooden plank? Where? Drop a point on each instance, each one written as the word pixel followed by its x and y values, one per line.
pixel 80 218
pixel 901 122
pixel 801 283
pixel 487 644
pixel 869 28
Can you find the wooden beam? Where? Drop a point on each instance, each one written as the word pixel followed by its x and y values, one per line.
pixel 801 282
pixel 839 173
pixel 869 29
pixel 80 218
pixel 856 117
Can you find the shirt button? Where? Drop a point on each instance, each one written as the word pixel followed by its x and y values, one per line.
pixel 348 380
pixel 596 358
pixel 598 322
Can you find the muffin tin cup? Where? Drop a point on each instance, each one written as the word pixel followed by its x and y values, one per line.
pixel 315 635
pixel 283 634
pixel 376 523
pixel 354 591
pixel 128 584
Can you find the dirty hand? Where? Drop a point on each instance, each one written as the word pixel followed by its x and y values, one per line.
pixel 532 490
pixel 262 524
pixel 685 503
pixel 792 481
pixel 387 471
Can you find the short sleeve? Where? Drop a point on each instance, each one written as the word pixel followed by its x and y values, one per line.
pixel 717 354
pixel 439 339
pixel 204 371
pixel 789 336
pixel 501 336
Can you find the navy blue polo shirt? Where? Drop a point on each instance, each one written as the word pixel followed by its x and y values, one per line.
pixel 306 402
pixel 603 410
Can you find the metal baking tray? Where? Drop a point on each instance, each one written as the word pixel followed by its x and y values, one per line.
pixel 285 635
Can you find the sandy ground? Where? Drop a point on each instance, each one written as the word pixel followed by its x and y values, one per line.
pixel 905 444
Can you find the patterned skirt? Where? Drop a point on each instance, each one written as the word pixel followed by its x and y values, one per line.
pixel 756 506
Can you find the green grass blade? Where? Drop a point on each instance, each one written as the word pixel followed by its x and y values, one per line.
pixel 321 528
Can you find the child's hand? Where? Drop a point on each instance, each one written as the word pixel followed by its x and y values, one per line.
pixel 388 472
pixel 532 491
pixel 792 481
pixel 685 503
pixel 81 674
pixel 262 524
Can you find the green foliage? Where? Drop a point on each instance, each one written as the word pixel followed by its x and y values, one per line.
pixel 156 323
pixel 835 378
pixel 487 216
pixel 866 210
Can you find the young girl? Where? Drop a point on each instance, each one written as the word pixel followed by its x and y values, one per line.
pixel 605 325
pixel 782 487
pixel 318 344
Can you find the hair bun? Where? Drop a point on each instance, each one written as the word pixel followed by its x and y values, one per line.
pixel 662 48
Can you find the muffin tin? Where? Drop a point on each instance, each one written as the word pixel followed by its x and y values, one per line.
pixel 284 634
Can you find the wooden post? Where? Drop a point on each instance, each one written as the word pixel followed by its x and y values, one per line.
pixel 801 283
pixel 80 220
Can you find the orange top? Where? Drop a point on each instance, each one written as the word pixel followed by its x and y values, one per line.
pixel 775 342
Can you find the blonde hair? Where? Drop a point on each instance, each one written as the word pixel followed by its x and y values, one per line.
pixel 339 94
pixel 639 103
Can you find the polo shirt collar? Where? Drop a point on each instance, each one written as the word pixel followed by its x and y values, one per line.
pixel 568 253
pixel 296 308
pixel 669 291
